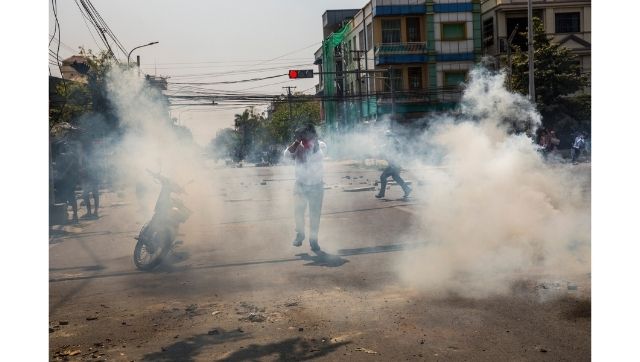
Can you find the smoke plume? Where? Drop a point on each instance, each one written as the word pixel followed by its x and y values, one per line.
pixel 494 210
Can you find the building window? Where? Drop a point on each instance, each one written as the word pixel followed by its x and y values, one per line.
pixel 487 32
pixel 369 36
pixel 391 31
pixel 454 78
pixel 415 78
pixel 361 44
pixel 413 30
pixel 395 76
pixel 454 31
pixel 568 23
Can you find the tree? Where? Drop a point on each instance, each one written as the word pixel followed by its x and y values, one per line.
pixel 81 98
pixel 247 125
pixel 557 78
pixel 281 125
pixel 225 144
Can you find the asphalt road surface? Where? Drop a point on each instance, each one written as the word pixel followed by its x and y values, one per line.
pixel 237 290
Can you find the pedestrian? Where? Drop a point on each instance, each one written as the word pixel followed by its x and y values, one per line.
pixel 67 171
pixel 392 154
pixel 545 142
pixel 307 152
pixel 578 146
pixel 90 182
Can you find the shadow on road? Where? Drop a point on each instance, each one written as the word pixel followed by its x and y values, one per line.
pixel 331 259
pixel 323 259
pixel 380 249
pixel 292 349
pixel 188 349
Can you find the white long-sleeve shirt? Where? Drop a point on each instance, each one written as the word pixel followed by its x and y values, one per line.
pixel 310 171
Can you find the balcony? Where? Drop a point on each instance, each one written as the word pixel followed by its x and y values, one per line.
pixel 401 53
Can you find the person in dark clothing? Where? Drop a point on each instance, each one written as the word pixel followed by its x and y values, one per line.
pixel 90 182
pixel 67 169
pixel 392 154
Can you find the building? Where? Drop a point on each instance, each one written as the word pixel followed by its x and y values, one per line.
pixel 402 58
pixel 567 22
pixel 73 67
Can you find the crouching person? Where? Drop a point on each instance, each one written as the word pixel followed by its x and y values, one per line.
pixel 307 152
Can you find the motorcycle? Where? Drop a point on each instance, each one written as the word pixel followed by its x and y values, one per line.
pixel 158 236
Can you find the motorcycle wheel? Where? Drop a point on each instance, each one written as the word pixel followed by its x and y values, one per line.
pixel 150 250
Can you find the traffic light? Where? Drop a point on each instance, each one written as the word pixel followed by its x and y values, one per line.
pixel 300 73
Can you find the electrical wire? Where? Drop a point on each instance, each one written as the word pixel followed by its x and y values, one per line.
pixel 234 81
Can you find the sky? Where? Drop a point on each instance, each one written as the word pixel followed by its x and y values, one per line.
pixel 203 41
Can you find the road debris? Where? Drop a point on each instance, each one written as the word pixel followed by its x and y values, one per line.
pixel 215 312
pixel 365 350
pixel 213 332
pixel 254 317
pixel 63 323
pixel 92 318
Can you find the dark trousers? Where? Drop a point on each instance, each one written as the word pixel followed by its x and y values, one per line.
pixel 91 187
pixel 394 172
pixel 575 154
pixel 311 195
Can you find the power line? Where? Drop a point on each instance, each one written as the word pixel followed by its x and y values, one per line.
pixel 84 19
pixel 239 71
pixel 233 81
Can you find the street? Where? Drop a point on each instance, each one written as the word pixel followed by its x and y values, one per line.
pixel 238 290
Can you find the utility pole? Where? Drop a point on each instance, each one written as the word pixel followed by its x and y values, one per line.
pixel 359 79
pixel 289 100
pixel 509 40
pixel 393 95
pixel 532 89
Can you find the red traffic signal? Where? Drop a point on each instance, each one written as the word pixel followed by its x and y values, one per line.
pixel 300 73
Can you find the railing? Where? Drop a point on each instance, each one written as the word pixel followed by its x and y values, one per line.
pixel 585 35
pixel 401 48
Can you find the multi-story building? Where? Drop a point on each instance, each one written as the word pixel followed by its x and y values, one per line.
pixel 567 22
pixel 402 58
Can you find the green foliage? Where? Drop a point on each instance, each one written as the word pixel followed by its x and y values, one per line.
pixel 303 111
pixel 225 144
pixel 256 138
pixel 557 78
pixel 79 98
pixel 557 71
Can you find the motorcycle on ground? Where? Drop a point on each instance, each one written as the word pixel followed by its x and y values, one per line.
pixel 158 236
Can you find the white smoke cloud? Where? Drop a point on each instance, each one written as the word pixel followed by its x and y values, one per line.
pixel 495 212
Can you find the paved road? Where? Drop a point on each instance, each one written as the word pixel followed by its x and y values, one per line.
pixel 237 290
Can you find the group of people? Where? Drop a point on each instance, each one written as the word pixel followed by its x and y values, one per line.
pixel 307 151
pixel 72 170
pixel 549 142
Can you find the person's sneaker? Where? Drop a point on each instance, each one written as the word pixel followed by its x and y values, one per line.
pixel 379 196
pixel 314 245
pixel 407 192
pixel 298 239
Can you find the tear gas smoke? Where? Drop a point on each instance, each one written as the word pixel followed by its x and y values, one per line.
pixel 495 211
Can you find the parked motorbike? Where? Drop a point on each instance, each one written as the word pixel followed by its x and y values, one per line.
pixel 158 236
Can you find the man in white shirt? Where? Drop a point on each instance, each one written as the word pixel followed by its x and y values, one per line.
pixel 307 152
pixel 578 145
